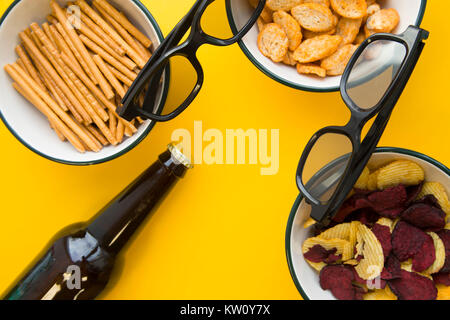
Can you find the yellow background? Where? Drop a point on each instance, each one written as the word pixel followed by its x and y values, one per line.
pixel 220 233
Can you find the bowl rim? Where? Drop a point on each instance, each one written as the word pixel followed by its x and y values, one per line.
pixel 300 198
pixel 143 135
pixel 283 81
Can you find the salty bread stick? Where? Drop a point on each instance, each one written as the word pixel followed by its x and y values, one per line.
pixel 111 32
pixel 53 73
pixel 29 66
pixel 22 65
pixel 98 135
pixel 52 55
pixel 58 11
pixel 91 136
pixel 75 52
pixel 112 123
pixel 27 83
pixel 50 85
pixel 46 29
pixel 120 132
pixel 52 19
pixel 96 39
pixel 90 25
pixel 124 22
pixel 119 75
pixel 122 31
pixel 109 75
pixel 99 94
pixel 107 57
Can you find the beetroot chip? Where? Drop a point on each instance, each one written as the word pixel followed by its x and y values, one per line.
pixel 430 200
pixel 319 254
pixel 425 217
pixel 392 268
pixel 442 278
pixel 413 192
pixel 393 213
pixel 355 202
pixel 407 240
pixel 338 279
pixel 366 216
pixel 445 237
pixel 383 234
pixel 425 257
pixel 413 286
pixel 394 197
pixel 356 276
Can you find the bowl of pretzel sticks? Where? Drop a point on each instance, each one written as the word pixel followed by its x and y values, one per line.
pixel 306 44
pixel 67 67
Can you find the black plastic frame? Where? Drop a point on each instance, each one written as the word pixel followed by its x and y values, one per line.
pixel 158 63
pixel 412 39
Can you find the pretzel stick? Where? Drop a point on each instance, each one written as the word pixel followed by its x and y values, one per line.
pixel 99 94
pixel 128 132
pixel 34 51
pixel 52 19
pixel 51 87
pixel 90 135
pixel 46 28
pixel 22 65
pixel 59 134
pixel 147 53
pixel 64 47
pixel 106 88
pixel 75 52
pixel 28 83
pixel 90 25
pixel 96 39
pixel 124 33
pixel 52 55
pixel 120 131
pixel 42 105
pixel 28 32
pixel 112 123
pixel 124 22
pixel 97 135
pixel 108 75
pixel 107 57
pixel 119 75
pixel 111 32
pixel 29 66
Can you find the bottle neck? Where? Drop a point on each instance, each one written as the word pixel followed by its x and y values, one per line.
pixel 119 220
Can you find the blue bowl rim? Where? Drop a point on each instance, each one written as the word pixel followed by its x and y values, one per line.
pixel 300 198
pixel 160 36
pixel 291 84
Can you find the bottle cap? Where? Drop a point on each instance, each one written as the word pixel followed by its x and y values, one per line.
pixel 178 156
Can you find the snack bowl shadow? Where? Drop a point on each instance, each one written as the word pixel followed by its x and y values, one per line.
pixel 31 127
pixel 411 13
pixel 305 278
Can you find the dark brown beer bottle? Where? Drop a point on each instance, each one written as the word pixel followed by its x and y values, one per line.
pixel 78 265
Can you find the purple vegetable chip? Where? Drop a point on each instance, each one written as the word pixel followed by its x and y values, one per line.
pixel 355 202
pixel 425 217
pixel 430 200
pixel 425 257
pixel 394 197
pixel 412 193
pixel 393 213
pixel 319 254
pixel 413 286
pixel 338 279
pixel 442 278
pixel 383 234
pixel 407 240
pixel 392 268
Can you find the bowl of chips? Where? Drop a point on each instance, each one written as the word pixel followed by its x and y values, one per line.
pixel 390 240
pixel 306 44
pixel 67 66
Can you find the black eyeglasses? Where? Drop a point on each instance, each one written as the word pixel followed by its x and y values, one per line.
pixel 180 62
pixel 371 85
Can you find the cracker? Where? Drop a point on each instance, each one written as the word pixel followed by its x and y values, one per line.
pixel 317 48
pixel 284 5
pixel 353 9
pixel 311 68
pixel 273 42
pixel 348 29
pixel 290 27
pixel 314 17
pixel 384 20
pixel 336 63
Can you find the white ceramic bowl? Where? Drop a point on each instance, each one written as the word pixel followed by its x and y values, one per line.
pixel 306 278
pixel 411 13
pixel 26 122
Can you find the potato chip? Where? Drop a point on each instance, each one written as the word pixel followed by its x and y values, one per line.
pixel 398 172
pixel 372 182
pixel 348 29
pixel 447 226
pixel 290 27
pixel 384 20
pixel 317 48
pixel 353 9
pixel 318 266
pixel 363 179
pixel 284 5
pixel 386 222
pixel 353 236
pixel 342 246
pixel 440 254
pixel 407 266
pixel 439 192
pixel 314 17
pixel 351 262
pixel 308 223
pixel 381 294
pixel 310 68
pixel 340 231
pixel 372 264
pixel 273 42
pixel 336 63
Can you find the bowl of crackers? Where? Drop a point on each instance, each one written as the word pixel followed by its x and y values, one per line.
pixel 67 66
pixel 390 240
pixel 306 44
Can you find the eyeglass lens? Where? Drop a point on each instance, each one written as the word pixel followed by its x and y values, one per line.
pixel 374 71
pixel 326 164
